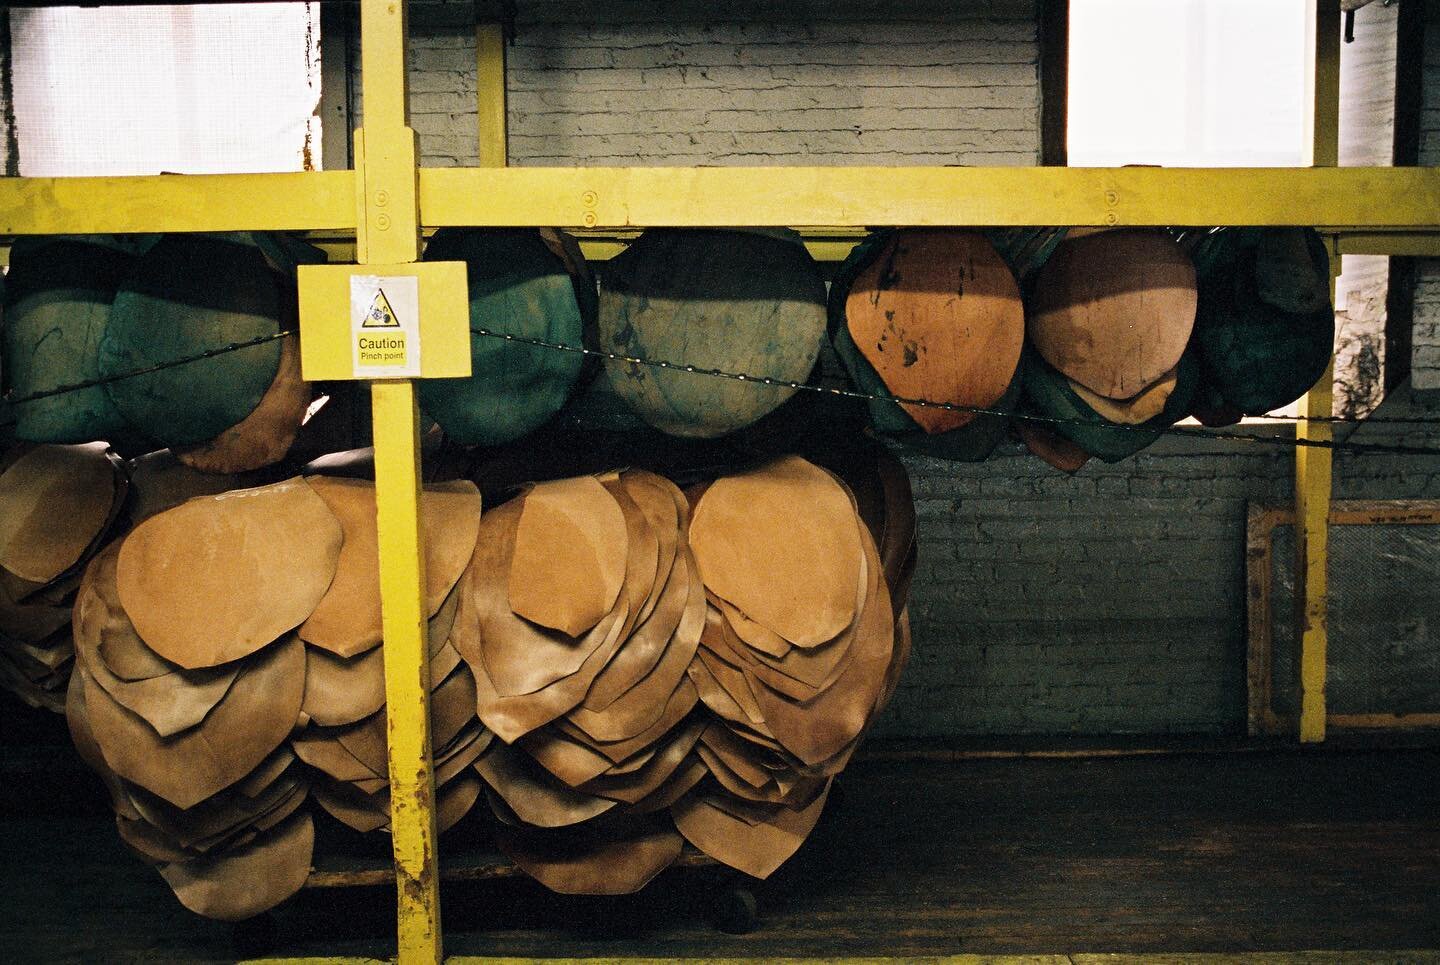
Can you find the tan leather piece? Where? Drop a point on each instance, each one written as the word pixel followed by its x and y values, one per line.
pixel 779 543
pixel 217 578
pixel 734 699
pixel 821 727
pixel 649 698
pixel 240 732
pixel 577 864
pixel 513 717
pixel 455 800
pixel 938 315
pixel 54 503
pixel 160 481
pixel 754 635
pixel 1133 411
pixel 461 753
pixel 569 759
pixel 800 674
pixel 126 655
pixel 21 591
pixel 148 841
pixel 1052 447
pixel 452 707
pixel 648 643
pixel 171 702
pixel 643 581
pixel 365 812
pixel 241 884
pixel 521 657
pixel 568 562
pixel 265 435
pixel 534 796
pixel 756 849
pixel 77 719
pixel 679 702
pixel 438 629
pixel 30 621
pixel 269 771
pixel 361 811
pixel 634 786
pixel 483 607
pixel 342 690
pixel 217 817
pixel 122 651
pixel 691 772
pixel 1114 311
pixel 346 620
pixel 658 500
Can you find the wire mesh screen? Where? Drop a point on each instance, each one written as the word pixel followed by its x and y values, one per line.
pixel 1383 655
pixel 184 89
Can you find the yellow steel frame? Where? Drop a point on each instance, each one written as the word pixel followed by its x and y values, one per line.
pixel 1313 465
pixel 387 199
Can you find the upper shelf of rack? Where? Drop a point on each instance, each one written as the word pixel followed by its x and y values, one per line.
pixel 1369 199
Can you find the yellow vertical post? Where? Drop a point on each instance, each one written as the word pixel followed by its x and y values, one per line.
pixel 490 94
pixel 1313 466
pixel 389 232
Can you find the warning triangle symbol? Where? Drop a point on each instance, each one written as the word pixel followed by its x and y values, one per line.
pixel 381 315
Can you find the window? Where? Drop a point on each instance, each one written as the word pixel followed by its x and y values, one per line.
pixel 151 89
pixel 1189 83
pixel 1226 83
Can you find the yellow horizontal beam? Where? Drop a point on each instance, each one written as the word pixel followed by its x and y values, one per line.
pixel 298 201
pixel 864 196
pixel 1372 203
pixel 1400 243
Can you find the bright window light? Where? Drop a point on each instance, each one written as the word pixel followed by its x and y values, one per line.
pixel 1189 83
pixel 150 89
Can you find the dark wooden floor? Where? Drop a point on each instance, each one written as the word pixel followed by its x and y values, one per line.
pixel 1196 852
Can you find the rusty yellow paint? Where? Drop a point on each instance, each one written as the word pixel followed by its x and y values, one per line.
pixel 1313 466
pixel 808 197
pixel 388 233
pixel 490 95
pixel 298 201
pixel 1400 243
pixel 1324 85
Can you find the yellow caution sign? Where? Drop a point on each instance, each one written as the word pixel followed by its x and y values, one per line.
pixel 367 321
pixel 385 315
pixel 380 315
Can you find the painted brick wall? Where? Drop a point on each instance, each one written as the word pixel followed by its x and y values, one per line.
pixel 850 82
pixel 1110 602
pixel 1425 358
pixel 1113 601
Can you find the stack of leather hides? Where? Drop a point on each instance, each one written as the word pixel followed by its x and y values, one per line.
pixel 58 506
pixel 617 667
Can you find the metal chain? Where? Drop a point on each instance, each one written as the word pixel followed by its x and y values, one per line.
pixel 147 370
pixel 954 407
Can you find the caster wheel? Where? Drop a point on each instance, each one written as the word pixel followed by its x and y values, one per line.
pixel 735 910
pixel 254 937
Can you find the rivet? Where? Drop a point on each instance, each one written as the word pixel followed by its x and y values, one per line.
pixel 382 198
pixel 1112 218
pixel 382 221
pixel 589 198
pixel 1112 197
pixel 589 219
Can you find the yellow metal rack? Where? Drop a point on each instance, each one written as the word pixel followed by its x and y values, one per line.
pixel 387 200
